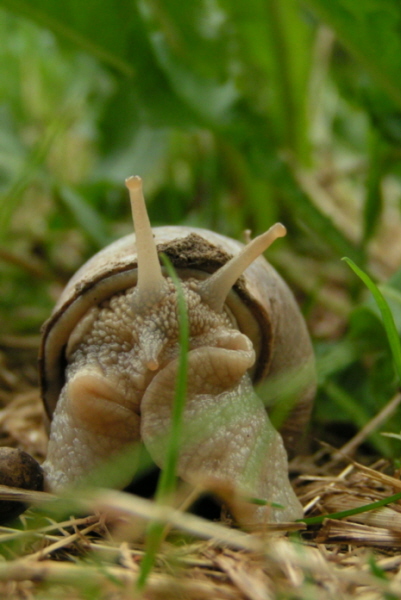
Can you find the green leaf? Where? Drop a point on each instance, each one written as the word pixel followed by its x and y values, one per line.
pixel 99 29
pixel 116 35
pixel 86 217
pixel 186 38
pixel 370 30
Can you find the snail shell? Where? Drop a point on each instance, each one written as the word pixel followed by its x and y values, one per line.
pixel 253 326
pixel 17 470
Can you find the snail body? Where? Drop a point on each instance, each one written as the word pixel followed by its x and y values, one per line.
pixel 110 355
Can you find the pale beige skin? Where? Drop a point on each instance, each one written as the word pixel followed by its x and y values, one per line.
pixel 120 379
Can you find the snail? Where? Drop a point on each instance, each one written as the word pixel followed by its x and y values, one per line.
pixel 18 469
pixel 110 351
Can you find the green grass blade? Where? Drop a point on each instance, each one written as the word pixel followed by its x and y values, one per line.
pixel 352 511
pixel 373 206
pixel 167 479
pixel 387 316
pixel 154 537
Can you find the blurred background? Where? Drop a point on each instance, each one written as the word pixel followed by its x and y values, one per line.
pixel 236 114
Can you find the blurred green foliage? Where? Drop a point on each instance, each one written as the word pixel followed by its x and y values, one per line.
pixel 235 114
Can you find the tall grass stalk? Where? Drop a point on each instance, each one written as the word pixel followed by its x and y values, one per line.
pixel 167 479
pixel 387 316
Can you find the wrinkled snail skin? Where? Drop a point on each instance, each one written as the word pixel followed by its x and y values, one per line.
pixel 110 355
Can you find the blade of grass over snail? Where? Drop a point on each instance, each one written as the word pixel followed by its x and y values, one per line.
pixel 167 479
pixel 387 316
pixel 216 288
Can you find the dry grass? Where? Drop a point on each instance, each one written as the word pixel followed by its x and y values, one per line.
pixel 50 554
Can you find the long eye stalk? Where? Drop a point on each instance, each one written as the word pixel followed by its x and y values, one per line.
pixel 151 282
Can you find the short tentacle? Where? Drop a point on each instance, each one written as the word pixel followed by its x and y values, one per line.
pixel 215 290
